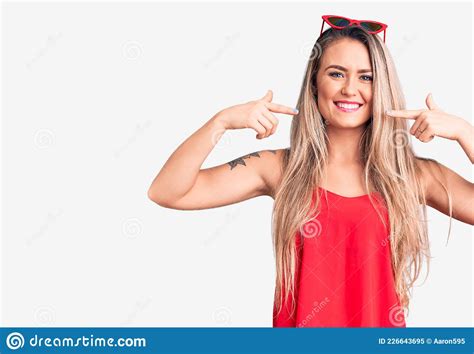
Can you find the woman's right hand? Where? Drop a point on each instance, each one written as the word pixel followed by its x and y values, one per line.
pixel 256 115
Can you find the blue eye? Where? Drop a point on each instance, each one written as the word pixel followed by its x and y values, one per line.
pixel 369 78
pixel 334 72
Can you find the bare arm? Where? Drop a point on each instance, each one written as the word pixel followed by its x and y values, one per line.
pixel 461 191
pixel 180 171
pixel 432 122
pixel 182 184
pixel 238 180
pixel 466 140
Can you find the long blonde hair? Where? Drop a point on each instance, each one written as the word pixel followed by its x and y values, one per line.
pixel 391 169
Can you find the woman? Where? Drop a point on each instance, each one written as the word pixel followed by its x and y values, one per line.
pixel 348 226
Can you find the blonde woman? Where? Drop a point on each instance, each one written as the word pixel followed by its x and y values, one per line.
pixel 350 195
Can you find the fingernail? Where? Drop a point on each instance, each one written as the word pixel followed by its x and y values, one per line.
pixel 389 112
pixel 295 110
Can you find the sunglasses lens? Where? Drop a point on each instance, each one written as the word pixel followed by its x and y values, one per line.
pixel 371 26
pixel 338 21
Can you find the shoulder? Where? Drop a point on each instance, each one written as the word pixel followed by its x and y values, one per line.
pixel 447 191
pixel 429 172
pixel 271 169
pixel 436 177
pixel 424 168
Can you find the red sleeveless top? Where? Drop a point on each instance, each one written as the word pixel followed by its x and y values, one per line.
pixel 344 275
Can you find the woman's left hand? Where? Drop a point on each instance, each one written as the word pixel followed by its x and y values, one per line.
pixel 432 122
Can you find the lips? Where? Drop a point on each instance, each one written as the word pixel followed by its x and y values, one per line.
pixel 347 107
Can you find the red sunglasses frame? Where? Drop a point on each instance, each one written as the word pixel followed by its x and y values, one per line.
pixel 354 22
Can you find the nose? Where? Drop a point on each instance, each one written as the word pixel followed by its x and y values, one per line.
pixel 349 88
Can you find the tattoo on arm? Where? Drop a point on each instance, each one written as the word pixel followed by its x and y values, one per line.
pixel 240 160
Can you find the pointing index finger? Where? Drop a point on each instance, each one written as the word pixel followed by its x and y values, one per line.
pixel 406 113
pixel 279 108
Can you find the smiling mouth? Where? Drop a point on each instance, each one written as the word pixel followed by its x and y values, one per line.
pixel 347 107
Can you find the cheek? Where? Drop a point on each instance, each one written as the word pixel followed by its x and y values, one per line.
pixel 328 89
pixel 367 95
pixel 368 106
pixel 325 97
pixel 325 104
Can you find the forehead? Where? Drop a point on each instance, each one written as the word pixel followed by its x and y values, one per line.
pixel 348 53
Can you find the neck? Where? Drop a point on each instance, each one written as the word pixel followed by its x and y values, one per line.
pixel 344 145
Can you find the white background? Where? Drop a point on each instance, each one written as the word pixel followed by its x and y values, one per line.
pixel 96 96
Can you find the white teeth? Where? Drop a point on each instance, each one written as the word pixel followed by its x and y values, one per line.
pixel 347 105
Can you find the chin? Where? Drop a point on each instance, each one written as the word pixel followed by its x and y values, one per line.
pixel 346 125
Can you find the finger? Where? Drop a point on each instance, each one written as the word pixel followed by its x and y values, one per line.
pixel 259 128
pixel 268 96
pixel 422 127
pixel 416 126
pixel 266 123
pixel 430 102
pixel 274 120
pixel 406 113
pixel 426 136
pixel 279 108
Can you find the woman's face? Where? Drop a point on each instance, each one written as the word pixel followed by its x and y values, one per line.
pixel 345 74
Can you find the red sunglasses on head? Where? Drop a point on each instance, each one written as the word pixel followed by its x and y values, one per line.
pixel 340 22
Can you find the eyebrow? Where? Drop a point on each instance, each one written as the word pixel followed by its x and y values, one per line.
pixel 344 69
